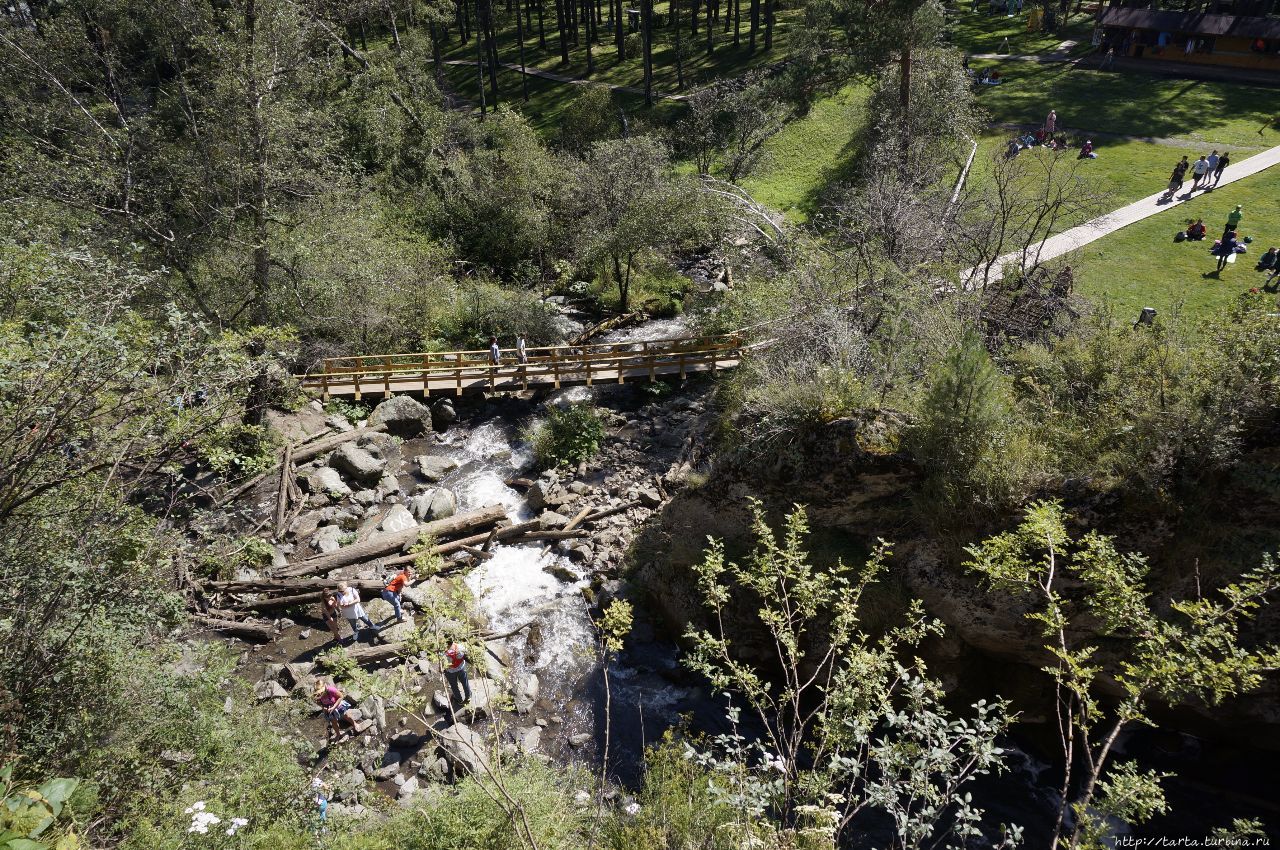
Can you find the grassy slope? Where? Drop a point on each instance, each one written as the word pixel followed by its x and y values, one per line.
pixel 809 154
pixel 1141 266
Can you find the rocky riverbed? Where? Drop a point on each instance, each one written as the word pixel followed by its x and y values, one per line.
pixel 538 688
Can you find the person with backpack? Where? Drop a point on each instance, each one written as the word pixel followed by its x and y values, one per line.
pixel 335 706
pixel 455 671
pixel 391 593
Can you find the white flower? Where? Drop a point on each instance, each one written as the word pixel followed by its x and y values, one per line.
pixel 632 809
pixel 236 823
pixel 197 806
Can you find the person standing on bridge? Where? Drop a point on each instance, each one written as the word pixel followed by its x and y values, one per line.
pixel 521 354
pixel 495 353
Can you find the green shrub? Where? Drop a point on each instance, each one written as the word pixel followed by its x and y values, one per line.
pixel 237 450
pixel 567 436
pixel 351 411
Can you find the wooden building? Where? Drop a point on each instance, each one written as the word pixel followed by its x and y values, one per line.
pixel 1195 38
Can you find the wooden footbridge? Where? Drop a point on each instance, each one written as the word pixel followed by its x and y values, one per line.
pixel 459 372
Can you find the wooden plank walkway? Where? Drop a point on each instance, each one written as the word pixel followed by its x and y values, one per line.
pixel 459 372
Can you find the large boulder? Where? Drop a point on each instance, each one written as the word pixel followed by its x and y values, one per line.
pixel 434 504
pixel 435 467
pixel 526 688
pixel 442 414
pixel 398 518
pixel 398 632
pixel 328 539
pixel 485 694
pixel 326 480
pixel 357 463
pixel 403 416
pixel 465 749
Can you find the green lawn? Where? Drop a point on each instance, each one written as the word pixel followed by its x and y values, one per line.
pixel 1215 114
pixel 978 32
pixel 1141 266
pixel 809 154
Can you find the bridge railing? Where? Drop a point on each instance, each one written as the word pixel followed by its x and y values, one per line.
pixel 462 370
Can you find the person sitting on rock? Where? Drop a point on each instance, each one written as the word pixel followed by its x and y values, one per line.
pixel 335 706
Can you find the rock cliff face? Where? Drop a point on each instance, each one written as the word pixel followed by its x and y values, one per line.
pixel 853 489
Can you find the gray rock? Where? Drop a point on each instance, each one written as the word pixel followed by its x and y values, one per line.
pixel 553 520
pixel 357 463
pixel 403 416
pixel 465 749
pixel 398 518
pixel 379 609
pixel 580 740
pixel 528 738
pixel 435 467
pixel 536 496
pixel 365 497
pixel 328 538
pixel 581 553
pixel 440 701
pixel 408 789
pixel 349 811
pixel 265 691
pixel 526 687
pixel 485 694
pixel 397 632
pixel 579 488
pixel 649 497
pixel 326 480
pixel 390 766
pixel 443 414
pixel 418 596
pixel 375 709
pixel 434 504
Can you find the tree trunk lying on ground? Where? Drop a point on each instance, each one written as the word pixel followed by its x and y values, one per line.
pixel 504 533
pixel 305 452
pixel 248 631
pixel 379 654
pixel 384 544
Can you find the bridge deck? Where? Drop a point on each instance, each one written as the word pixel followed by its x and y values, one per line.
pixel 459 372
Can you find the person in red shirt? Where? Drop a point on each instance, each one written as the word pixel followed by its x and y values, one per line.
pixel 455 671
pixel 392 591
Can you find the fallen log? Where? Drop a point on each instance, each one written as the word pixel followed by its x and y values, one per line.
pixel 385 544
pixel 266 585
pixel 386 652
pixel 272 602
pixel 563 534
pixel 248 631
pixel 599 515
pixel 306 452
pixel 569 526
pixel 478 554
pixel 504 533
pixel 283 495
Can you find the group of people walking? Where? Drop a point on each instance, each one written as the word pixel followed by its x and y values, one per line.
pixel 1204 170
pixel 345 603
pixel 495 353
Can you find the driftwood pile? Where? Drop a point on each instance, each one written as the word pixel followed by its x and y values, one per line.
pixel 233 608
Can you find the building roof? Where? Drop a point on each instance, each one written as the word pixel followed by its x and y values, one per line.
pixel 1228 26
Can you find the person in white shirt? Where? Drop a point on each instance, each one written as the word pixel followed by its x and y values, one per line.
pixel 352 610
pixel 521 354
pixel 1213 166
pixel 1200 169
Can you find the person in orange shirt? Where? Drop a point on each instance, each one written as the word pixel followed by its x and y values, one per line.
pixel 392 591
